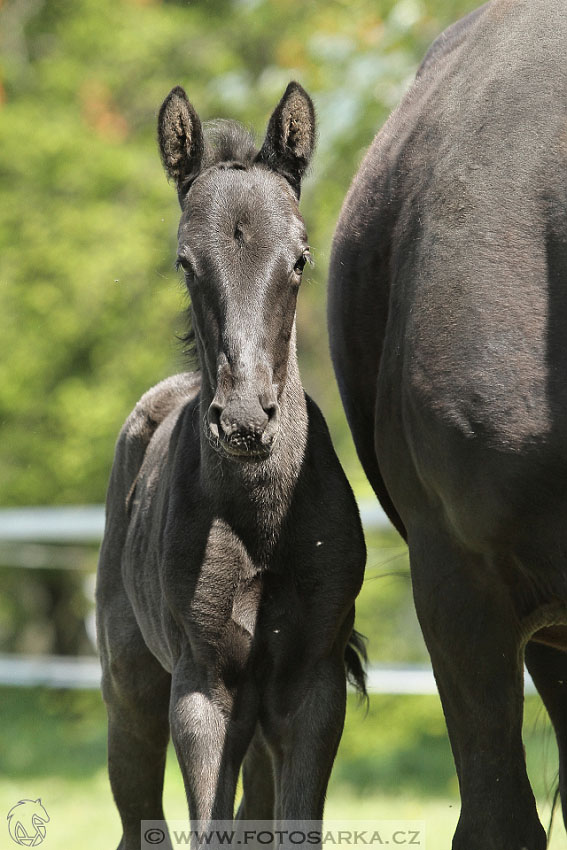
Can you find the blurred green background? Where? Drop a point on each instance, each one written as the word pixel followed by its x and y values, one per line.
pixel 91 312
pixel 90 303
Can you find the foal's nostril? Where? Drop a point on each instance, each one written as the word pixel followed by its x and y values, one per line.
pixel 272 409
pixel 273 412
pixel 215 426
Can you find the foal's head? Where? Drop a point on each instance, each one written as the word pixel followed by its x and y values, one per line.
pixel 242 245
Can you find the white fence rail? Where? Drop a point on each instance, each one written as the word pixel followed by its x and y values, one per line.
pixel 84 673
pixel 62 672
pixel 52 525
pixel 85 524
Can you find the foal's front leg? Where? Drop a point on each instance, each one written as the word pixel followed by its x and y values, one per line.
pixel 136 691
pixel 211 727
pixel 258 782
pixel 303 724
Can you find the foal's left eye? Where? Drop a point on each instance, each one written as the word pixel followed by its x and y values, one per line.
pixel 302 262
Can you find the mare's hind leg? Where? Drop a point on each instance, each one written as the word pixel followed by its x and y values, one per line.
pixel 548 669
pixel 136 691
pixel 258 781
pixel 473 635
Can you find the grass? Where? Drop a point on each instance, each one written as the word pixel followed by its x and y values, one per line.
pixel 394 763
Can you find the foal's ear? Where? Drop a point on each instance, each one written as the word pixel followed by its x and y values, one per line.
pixel 290 137
pixel 180 139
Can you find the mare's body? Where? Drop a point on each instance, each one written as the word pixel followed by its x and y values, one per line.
pixel 448 318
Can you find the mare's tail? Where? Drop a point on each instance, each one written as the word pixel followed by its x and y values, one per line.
pixel 356 659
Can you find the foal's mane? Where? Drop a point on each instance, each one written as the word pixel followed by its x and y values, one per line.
pixel 228 144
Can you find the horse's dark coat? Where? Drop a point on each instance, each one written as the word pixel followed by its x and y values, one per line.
pixel 448 318
pixel 233 550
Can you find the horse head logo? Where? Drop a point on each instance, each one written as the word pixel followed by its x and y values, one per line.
pixel 26 823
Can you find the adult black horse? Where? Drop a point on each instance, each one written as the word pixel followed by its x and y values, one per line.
pixel 448 320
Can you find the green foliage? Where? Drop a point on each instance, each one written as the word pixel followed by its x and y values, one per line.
pixel 44 727
pixel 385 612
pixel 89 304
pixel 401 746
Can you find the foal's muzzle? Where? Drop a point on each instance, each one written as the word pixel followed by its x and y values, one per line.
pixel 245 428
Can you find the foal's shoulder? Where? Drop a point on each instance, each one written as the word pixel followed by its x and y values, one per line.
pixel 326 489
pixel 320 450
pixel 317 422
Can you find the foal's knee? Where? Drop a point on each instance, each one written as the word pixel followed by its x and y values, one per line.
pixel 315 700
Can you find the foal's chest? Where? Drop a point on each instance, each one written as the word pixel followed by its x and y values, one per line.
pixel 218 591
pixel 226 580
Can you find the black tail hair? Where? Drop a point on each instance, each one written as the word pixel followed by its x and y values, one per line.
pixel 356 659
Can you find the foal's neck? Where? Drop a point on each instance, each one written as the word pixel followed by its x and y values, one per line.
pixel 259 493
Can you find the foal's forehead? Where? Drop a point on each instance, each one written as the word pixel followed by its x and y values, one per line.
pixel 248 203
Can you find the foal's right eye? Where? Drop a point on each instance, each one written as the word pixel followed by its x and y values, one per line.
pixel 182 262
